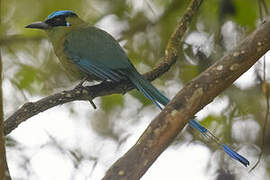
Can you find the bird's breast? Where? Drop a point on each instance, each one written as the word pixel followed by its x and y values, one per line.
pixel 67 63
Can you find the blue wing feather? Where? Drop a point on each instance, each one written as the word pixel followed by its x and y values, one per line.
pixel 102 72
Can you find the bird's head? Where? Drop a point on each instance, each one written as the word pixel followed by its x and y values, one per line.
pixel 58 19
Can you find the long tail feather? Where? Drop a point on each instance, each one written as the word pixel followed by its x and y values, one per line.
pixel 205 132
pixel 158 98
pixel 148 89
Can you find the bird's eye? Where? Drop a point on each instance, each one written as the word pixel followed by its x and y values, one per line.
pixel 58 21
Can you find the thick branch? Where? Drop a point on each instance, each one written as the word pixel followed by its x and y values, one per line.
pixel 193 97
pixel 106 88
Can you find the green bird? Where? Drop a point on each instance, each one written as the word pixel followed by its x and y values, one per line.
pixel 86 51
pixel 89 52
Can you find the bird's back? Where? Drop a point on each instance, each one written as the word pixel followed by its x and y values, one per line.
pixel 93 51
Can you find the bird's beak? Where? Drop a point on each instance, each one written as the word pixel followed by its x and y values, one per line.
pixel 38 25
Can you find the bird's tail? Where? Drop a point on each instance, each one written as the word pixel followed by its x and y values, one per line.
pixel 148 89
pixel 158 98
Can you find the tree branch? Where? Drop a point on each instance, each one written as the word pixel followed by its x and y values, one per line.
pixel 192 98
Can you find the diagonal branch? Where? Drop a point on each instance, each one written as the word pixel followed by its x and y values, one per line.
pixel 192 98
pixel 106 88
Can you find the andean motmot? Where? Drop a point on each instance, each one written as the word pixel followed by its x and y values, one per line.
pixel 89 52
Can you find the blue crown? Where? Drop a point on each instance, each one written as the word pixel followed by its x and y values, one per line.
pixel 59 13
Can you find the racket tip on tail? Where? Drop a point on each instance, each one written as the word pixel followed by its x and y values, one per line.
pixel 235 155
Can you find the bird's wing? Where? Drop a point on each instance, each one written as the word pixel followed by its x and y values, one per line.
pixel 96 52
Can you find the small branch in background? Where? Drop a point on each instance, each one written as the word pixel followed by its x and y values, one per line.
pixel 4 172
pixel 264 86
pixel 18 39
pixel 265 91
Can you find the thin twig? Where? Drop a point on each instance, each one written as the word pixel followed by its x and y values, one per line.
pixel 265 90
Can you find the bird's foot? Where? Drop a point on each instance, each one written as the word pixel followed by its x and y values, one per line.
pixel 89 98
pixel 92 103
pixel 85 93
pixel 126 87
pixel 81 83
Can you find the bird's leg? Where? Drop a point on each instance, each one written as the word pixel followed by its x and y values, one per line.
pixel 126 87
pixel 92 103
pixel 81 83
pixel 89 98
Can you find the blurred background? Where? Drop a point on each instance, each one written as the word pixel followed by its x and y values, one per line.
pixel 75 142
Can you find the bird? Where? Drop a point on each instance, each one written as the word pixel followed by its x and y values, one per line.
pixel 86 51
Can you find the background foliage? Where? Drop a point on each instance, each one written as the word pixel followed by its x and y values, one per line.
pixel 31 71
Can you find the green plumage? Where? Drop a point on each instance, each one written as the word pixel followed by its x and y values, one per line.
pixel 85 50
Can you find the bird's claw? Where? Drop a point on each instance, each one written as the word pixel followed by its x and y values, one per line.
pixel 81 83
pixel 92 103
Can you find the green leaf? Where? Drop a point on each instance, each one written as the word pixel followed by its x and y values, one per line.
pixel 138 95
pixel 26 77
pixel 188 72
pixel 108 103
pixel 209 15
pixel 246 12
pixel 210 119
